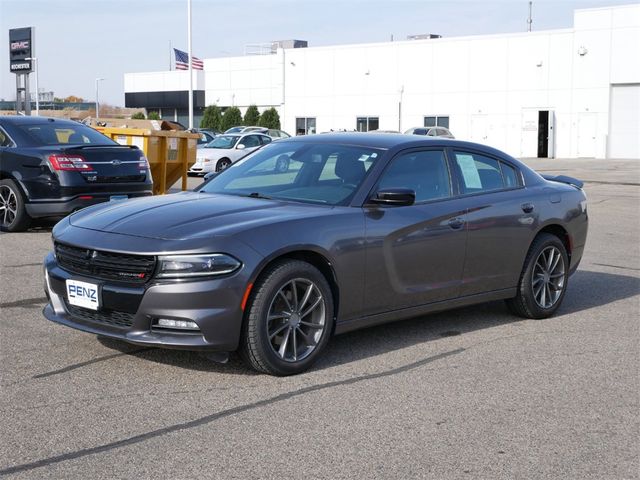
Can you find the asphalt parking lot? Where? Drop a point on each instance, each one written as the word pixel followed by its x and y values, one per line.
pixel 471 393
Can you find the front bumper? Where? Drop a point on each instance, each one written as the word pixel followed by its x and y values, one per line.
pixel 201 168
pixel 127 312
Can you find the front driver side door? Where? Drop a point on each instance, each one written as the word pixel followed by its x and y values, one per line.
pixel 416 253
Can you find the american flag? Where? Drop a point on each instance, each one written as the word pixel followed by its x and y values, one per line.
pixel 182 61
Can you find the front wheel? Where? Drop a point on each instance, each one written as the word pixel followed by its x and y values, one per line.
pixel 222 164
pixel 544 278
pixel 13 216
pixel 289 319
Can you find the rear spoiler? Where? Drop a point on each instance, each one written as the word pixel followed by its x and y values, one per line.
pixel 564 179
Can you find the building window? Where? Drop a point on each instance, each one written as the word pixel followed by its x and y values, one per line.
pixel 436 121
pixel 365 124
pixel 305 126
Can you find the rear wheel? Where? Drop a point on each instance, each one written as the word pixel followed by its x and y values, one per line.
pixel 543 281
pixel 13 216
pixel 288 320
pixel 222 164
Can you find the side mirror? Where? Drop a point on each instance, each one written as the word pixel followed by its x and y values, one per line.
pixel 210 175
pixel 241 147
pixel 397 197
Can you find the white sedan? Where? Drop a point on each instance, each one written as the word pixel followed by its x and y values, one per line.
pixel 226 149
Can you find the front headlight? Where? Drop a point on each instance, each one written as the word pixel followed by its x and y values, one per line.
pixel 185 266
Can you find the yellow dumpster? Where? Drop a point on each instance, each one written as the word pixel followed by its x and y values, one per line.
pixel 170 152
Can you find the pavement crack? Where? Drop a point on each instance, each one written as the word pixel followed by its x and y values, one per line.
pixel 25 303
pixel 220 415
pixel 90 362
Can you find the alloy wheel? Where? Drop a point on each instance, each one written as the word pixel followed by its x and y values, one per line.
pixel 8 206
pixel 296 320
pixel 548 277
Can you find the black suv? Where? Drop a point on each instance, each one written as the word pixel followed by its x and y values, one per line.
pixel 52 167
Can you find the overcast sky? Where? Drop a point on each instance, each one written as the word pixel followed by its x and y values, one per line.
pixel 79 40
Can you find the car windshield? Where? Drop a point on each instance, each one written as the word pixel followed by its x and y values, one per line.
pixel 296 171
pixel 52 133
pixel 223 141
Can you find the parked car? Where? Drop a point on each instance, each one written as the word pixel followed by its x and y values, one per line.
pixel 226 149
pixel 238 129
pixel 277 134
pixel 206 137
pixel 430 131
pixel 362 229
pixel 272 132
pixel 52 167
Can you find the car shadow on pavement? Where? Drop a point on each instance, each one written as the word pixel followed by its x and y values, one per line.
pixel 587 289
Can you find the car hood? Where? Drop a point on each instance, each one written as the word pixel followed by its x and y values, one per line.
pixel 189 215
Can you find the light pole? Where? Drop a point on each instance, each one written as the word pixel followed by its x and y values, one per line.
pixel 35 64
pixel 97 102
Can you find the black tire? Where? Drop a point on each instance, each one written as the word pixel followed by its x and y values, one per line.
pixel 13 216
pixel 263 334
pixel 540 292
pixel 222 164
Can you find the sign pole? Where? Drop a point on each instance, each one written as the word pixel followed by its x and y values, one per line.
pixel 190 60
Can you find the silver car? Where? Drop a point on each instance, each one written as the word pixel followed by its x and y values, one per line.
pixel 430 132
pixel 226 149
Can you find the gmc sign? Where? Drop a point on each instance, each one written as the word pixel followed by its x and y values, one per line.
pixel 20 48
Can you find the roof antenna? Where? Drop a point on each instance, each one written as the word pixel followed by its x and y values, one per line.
pixel 530 19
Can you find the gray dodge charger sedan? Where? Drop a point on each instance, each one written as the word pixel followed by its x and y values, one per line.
pixel 356 231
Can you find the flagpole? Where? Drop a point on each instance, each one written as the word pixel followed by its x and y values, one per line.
pixel 170 53
pixel 190 60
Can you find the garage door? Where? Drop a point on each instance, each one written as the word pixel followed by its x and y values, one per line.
pixel 624 125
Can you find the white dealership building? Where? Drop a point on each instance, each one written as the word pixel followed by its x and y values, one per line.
pixel 565 93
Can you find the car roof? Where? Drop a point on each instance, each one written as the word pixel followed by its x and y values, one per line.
pixel 27 120
pixel 390 141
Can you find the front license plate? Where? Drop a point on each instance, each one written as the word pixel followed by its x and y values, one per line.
pixel 83 294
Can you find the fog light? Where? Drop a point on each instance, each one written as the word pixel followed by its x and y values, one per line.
pixel 179 324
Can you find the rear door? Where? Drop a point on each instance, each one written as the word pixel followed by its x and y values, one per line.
pixel 415 254
pixel 500 218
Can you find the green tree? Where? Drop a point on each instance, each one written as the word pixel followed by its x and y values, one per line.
pixel 270 119
pixel 138 116
pixel 252 116
pixel 153 116
pixel 231 118
pixel 212 118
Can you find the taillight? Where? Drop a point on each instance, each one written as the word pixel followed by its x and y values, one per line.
pixel 68 162
pixel 143 162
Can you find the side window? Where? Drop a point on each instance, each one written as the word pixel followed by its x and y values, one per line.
pixel 433 132
pixel 509 174
pixel 250 141
pixel 5 141
pixel 264 140
pixel 482 174
pixel 424 172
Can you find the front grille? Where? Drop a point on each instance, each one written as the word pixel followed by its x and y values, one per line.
pixel 118 267
pixel 109 317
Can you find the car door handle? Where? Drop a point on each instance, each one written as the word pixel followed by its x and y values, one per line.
pixel 456 223
pixel 527 207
